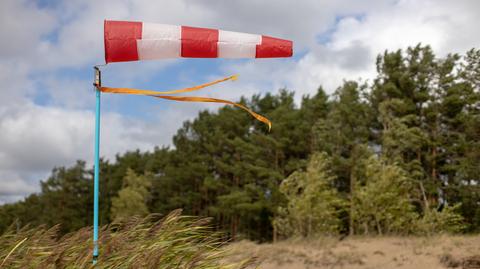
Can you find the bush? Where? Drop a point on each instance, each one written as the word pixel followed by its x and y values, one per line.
pixel 314 205
pixel 445 221
pixel 382 204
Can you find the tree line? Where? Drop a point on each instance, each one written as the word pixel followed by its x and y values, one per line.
pixel 396 155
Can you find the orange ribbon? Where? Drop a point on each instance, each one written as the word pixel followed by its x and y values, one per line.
pixel 160 94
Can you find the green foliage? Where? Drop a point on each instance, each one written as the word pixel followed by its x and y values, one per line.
pixel 381 201
pixel 446 221
pixel 174 241
pixel 132 198
pixel 427 108
pixel 419 119
pixel 313 204
pixel 343 134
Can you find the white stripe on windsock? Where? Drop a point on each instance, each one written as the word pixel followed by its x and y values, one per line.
pixel 132 41
pixel 237 45
pixel 161 31
pixel 159 41
pixel 151 49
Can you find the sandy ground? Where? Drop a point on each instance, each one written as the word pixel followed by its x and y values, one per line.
pixel 362 252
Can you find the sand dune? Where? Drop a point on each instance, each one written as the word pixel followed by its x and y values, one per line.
pixel 364 252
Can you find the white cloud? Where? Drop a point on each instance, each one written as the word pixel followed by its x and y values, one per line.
pixel 14 186
pixel 356 39
pixel 438 23
pixel 22 24
pixel 14 85
pixel 35 139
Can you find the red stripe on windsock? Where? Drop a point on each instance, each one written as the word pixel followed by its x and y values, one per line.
pixel 124 42
pixel 121 40
pixel 274 47
pixel 199 42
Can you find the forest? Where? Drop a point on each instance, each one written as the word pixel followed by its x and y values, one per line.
pixel 399 154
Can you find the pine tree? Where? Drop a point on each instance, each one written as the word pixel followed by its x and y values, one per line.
pixel 460 137
pixel 67 199
pixel 343 134
pixel 132 198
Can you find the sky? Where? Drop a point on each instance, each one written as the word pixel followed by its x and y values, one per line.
pixel 48 48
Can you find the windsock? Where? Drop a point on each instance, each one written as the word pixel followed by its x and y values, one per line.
pixel 132 41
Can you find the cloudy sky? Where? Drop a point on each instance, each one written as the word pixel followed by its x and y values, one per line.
pixel 48 48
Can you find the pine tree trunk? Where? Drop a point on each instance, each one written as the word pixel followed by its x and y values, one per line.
pixel 275 234
pixel 424 195
pixel 234 228
pixel 434 150
pixel 379 228
pixel 352 187
pixel 351 231
pixel 434 155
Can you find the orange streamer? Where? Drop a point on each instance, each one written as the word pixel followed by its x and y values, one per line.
pixel 215 100
pixel 150 92
pixel 160 94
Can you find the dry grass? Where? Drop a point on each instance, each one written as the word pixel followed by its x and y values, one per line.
pixel 178 241
pixel 362 252
pixel 175 241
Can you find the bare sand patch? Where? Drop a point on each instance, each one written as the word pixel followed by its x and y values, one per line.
pixel 365 252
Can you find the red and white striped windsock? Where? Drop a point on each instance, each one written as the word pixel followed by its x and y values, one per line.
pixel 133 41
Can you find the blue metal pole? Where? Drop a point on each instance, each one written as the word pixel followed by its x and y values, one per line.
pixel 96 169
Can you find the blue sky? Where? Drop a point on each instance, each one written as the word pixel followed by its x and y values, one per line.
pixel 48 49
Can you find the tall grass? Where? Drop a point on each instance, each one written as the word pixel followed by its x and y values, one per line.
pixel 174 241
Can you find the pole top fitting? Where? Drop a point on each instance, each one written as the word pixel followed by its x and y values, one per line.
pixel 97 80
